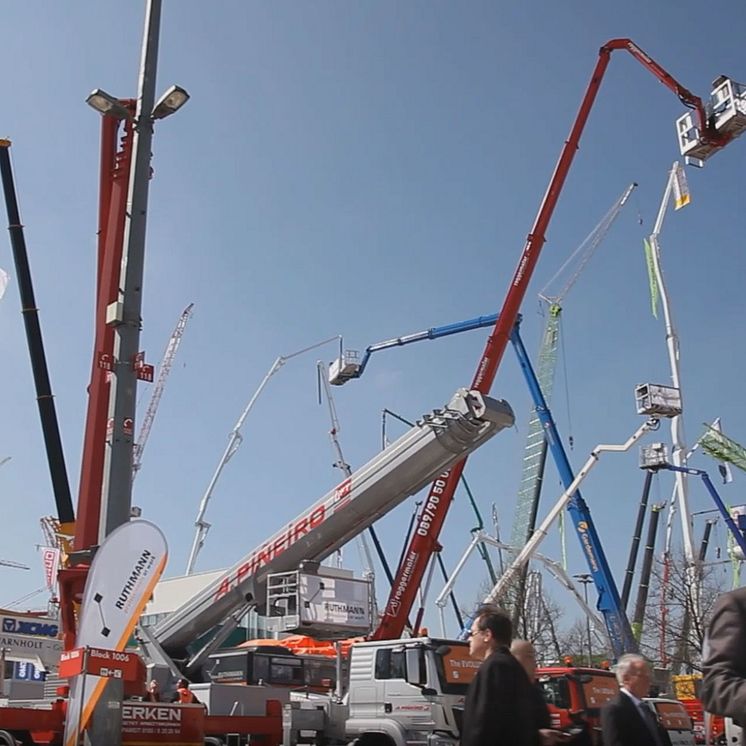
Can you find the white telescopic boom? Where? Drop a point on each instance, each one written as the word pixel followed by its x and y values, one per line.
pixel 553 567
pixel 429 449
pixel 541 532
pixel 678 454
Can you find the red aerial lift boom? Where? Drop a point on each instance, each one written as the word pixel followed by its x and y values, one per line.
pixel 425 538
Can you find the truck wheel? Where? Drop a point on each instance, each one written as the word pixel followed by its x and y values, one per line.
pixel 6 739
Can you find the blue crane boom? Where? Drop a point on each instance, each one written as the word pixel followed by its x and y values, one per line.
pixel 609 602
pixel 734 528
pixel 349 365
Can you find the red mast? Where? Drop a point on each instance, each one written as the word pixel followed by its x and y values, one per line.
pixel 113 182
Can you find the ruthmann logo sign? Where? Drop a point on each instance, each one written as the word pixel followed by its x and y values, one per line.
pixel 144 563
pixel 42 628
pixel 335 607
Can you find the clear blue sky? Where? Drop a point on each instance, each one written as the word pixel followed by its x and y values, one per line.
pixel 366 169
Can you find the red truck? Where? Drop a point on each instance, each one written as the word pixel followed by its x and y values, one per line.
pixel 575 696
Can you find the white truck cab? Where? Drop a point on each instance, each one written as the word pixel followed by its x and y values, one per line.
pixel 399 693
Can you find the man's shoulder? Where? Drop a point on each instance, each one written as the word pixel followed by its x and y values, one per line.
pixel 503 656
pixel 503 659
pixel 733 599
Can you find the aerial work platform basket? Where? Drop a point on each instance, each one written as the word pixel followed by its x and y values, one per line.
pixel 726 111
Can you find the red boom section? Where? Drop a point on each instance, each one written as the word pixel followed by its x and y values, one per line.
pixel 114 180
pixel 424 541
pixel 113 185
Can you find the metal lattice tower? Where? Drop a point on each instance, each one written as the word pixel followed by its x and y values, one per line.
pixel 535 452
pixel 155 399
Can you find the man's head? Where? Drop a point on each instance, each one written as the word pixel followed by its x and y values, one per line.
pixel 182 684
pixel 153 686
pixel 525 653
pixel 633 673
pixel 490 630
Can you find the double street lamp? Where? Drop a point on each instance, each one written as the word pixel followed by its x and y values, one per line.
pixel 104 103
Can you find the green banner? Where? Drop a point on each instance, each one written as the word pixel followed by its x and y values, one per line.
pixel 723 448
pixel 651 277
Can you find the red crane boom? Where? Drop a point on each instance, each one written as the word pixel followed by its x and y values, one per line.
pixel 424 540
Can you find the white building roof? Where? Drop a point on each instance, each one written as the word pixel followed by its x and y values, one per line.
pixel 171 593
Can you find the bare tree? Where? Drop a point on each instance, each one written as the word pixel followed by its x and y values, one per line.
pixel 537 617
pixel 675 618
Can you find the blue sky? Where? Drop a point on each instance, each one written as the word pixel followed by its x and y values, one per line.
pixel 366 169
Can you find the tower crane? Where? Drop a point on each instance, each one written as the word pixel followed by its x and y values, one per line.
pixel 155 399
pixel 234 441
pixel 535 452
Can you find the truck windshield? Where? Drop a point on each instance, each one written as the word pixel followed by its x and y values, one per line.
pixel 599 690
pixel 455 668
pixel 556 691
pixel 592 690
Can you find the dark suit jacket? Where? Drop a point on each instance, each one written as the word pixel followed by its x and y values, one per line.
pixel 498 710
pixel 724 684
pixel 541 715
pixel 622 724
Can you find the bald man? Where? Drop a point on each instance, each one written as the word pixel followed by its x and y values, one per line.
pixel 523 651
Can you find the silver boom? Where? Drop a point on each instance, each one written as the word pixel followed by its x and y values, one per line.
pixel 432 446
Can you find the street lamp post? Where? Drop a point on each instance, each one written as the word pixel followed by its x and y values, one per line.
pixel 585 578
pixel 124 314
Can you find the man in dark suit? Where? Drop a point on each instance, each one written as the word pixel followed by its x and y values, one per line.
pixel 627 720
pixel 724 659
pixel 525 653
pixel 497 711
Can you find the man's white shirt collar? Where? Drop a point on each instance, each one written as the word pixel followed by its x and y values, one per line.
pixel 637 701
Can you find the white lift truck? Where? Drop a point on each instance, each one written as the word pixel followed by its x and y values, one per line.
pixel 399 693
pixel 433 445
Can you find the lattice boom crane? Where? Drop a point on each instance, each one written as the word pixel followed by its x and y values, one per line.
pixel 535 452
pixel 155 399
